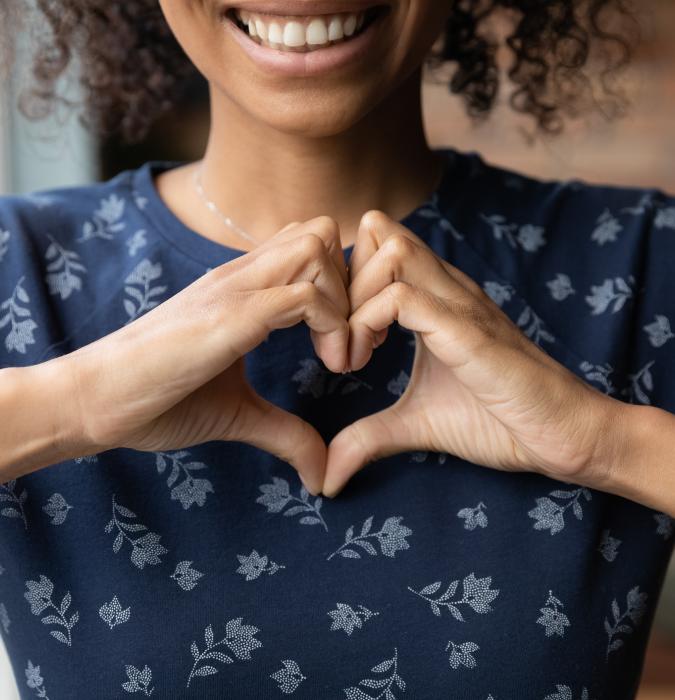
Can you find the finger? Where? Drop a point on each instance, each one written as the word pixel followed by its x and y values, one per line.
pixel 288 437
pixel 373 437
pixel 303 301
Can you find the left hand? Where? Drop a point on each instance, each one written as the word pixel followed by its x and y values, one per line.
pixel 479 388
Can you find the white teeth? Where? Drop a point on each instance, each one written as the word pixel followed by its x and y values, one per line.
pixel 303 32
pixel 317 32
pixel 350 25
pixel 335 31
pixel 294 34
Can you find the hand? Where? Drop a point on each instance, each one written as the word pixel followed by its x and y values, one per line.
pixel 174 377
pixel 479 388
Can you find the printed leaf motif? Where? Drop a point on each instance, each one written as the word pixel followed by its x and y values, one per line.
pixel 56 508
pixel 5 622
pixel 39 595
pixel 106 220
pixel 21 332
pixel 35 681
pixel 316 380
pixel 142 275
pixel 529 237
pixel 474 517
pixel 139 681
pixel 113 614
pixel 276 496
pixel 560 287
pixel 609 546
pixel 665 525
pixel 144 549
pixel 253 565
pixel 665 218
pixel 391 538
pixel 552 618
pixel 499 293
pixel 346 618
pixel 186 576
pixel 550 515
pixel 476 593
pixel 600 374
pixel 387 683
pixel 462 654
pixel 638 384
pixel 239 639
pixel 190 490
pixel 659 332
pixel 607 226
pixel 10 495
pixel 62 278
pixel 616 291
pixel 636 606
pixel 136 242
pixel 4 243
pixel 289 677
pixel 533 326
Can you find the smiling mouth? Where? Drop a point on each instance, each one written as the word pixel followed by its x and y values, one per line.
pixel 304 34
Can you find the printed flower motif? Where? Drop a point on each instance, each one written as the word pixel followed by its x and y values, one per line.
pixel 190 490
pixel 636 605
pixel 432 211
pixel 391 538
pixel 646 203
pixel 8 493
pixel 420 457
pixel 21 333
pixel 113 614
pixel 143 274
pixel 550 515
pixel 665 218
pixel 560 287
pixel 615 290
pixel 61 277
pixel 39 595
pixel 347 619
pixel 553 620
pixel 276 496
pixel 659 331
pixel 89 459
pixel 289 677
pixel 665 525
pixel 609 546
pixel 462 654
pixel 56 508
pixel 144 549
pixel 4 618
pixel 139 200
pixel 139 681
pixel 136 242
pixel 606 229
pixel 499 293
pixel 185 576
pixel 106 220
pixel 639 384
pixel 318 381
pixel 384 683
pixel 474 517
pixel 239 639
pixel 600 374
pixel 476 593
pixel 529 237
pixel 34 680
pixel 533 326
pixel 398 385
pixel 565 693
pixel 4 243
pixel 253 565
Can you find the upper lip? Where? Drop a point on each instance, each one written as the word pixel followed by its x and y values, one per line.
pixel 300 8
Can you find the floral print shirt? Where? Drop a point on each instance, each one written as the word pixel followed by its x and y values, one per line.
pixel 208 572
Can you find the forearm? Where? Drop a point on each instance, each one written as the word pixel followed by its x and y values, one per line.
pixel 38 418
pixel 639 459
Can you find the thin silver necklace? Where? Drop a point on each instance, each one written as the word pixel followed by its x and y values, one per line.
pixel 197 179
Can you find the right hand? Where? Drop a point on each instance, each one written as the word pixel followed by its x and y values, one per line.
pixel 174 377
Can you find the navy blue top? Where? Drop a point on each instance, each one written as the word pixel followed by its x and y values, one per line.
pixel 209 573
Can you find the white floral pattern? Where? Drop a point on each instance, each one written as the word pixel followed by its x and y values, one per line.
pixel 142 300
pixel 549 515
pixel 620 625
pixel 35 681
pixel 288 677
pixel 277 495
pixel 386 680
pixel 552 618
pixel 185 576
pixel 391 537
pixel 57 508
pixel 190 490
pixel 62 278
pixel 476 594
pixel 138 680
pixel 21 332
pixel 113 614
pixel 39 595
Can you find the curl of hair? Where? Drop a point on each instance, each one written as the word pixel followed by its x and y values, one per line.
pixel 132 69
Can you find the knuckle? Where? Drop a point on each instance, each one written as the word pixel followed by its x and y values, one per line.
pixel 399 247
pixel 399 291
pixel 306 291
pixel 374 218
pixel 312 246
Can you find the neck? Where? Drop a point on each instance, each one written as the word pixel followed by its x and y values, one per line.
pixel 263 179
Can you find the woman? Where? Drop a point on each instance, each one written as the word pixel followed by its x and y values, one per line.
pixel 502 459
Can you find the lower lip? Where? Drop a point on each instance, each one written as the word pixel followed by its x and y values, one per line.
pixel 302 64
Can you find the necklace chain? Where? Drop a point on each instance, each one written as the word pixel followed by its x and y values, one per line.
pixel 197 179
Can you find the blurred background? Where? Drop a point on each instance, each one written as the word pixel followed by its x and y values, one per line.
pixel 636 150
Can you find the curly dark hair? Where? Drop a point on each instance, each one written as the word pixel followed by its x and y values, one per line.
pixel 132 69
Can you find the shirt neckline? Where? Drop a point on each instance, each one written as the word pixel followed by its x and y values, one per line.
pixel 211 253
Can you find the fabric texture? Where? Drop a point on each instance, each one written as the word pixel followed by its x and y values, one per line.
pixel 209 572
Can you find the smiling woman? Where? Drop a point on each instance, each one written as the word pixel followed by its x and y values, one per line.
pixel 469 369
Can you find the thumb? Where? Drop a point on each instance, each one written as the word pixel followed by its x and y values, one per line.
pixel 379 435
pixel 286 436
